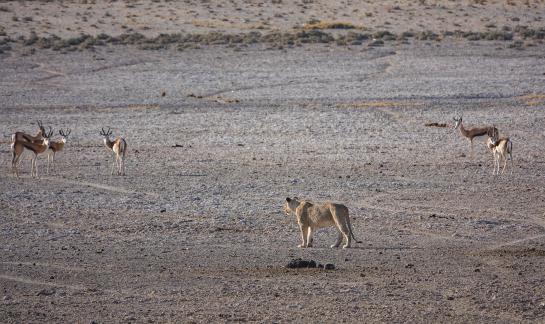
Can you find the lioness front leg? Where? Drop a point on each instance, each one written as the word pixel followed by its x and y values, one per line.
pixel 304 235
pixel 309 237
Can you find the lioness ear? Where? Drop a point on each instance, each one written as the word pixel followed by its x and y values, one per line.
pixel 288 199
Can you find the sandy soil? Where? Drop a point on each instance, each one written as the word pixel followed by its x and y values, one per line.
pixel 218 138
pixel 70 18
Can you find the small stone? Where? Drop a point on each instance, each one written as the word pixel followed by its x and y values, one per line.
pixel 46 292
pixel 329 266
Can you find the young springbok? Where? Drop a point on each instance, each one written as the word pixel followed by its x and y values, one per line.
pixel 119 147
pixel 19 146
pixel 471 133
pixel 56 146
pixel 500 147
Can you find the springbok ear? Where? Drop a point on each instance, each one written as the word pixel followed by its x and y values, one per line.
pixel 288 199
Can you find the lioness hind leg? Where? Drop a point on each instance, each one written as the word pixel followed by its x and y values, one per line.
pixel 346 235
pixel 342 227
pixel 338 241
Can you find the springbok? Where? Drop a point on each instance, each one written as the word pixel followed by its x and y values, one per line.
pixel 56 146
pixel 500 147
pixel 22 136
pixel 19 146
pixel 472 132
pixel 119 147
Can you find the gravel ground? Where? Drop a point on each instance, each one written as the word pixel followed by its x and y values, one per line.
pixel 196 232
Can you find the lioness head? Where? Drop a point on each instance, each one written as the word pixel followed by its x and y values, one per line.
pixel 291 205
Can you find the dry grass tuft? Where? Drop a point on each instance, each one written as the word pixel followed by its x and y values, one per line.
pixel 322 24
pixel 533 99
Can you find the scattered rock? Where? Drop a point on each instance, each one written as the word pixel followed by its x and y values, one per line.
pixel 163 94
pixel 329 266
pixel 46 292
pixel 299 263
pixel 409 266
pixel 177 145
pixel 436 125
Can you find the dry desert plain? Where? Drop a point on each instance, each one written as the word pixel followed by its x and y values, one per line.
pixel 220 135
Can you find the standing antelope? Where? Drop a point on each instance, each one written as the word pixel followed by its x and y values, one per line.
pixel 500 147
pixel 119 147
pixel 19 146
pixel 21 136
pixel 55 147
pixel 472 132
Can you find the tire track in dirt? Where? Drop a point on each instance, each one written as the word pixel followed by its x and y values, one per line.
pixel 102 187
pixel 57 74
pixel 41 283
pixel 305 80
pixel 515 242
pixel 45 265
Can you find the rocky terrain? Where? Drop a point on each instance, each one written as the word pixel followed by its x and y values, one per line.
pixel 219 136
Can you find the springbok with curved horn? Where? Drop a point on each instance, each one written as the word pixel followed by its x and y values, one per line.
pixel 56 146
pixel 20 146
pixel 500 147
pixel 471 133
pixel 22 136
pixel 119 147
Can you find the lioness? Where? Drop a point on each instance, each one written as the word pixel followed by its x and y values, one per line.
pixel 311 217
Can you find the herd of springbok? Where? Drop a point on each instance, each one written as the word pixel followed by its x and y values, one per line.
pixel 501 147
pixel 41 143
